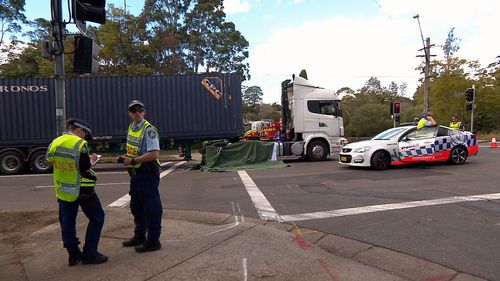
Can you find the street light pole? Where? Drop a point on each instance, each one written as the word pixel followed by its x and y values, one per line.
pixel 426 48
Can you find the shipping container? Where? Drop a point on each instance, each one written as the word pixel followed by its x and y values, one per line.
pixel 184 108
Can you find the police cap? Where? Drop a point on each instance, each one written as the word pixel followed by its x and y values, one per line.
pixel 79 123
pixel 135 103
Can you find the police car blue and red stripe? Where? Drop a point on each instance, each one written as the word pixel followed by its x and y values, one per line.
pixel 407 144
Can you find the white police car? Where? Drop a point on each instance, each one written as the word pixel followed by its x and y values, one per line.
pixel 407 144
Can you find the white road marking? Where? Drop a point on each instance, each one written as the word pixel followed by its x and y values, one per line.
pixel 245 272
pixel 169 170
pixel 389 207
pixel 122 202
pixel 125 199
pixel 264 208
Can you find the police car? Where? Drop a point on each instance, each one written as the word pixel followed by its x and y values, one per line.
pixel 407 144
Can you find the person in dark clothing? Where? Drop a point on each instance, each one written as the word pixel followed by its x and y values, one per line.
pixel 74 183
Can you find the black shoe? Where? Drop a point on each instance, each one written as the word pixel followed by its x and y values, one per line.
pixel 134 241
pixel 97 259
pixel 148 246
pixel 74 255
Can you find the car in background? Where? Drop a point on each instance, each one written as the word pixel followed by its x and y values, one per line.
pixel 407 144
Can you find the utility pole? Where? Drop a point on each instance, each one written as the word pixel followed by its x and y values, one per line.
pixel 427 55
pixel 58 28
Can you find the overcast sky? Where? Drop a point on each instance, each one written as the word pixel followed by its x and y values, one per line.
pixel 344 43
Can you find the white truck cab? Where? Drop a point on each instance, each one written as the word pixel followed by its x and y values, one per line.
pixel 312 123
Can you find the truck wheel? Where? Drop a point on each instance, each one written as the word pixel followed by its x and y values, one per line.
pixel 380 160
pixel 11 163
pixel 317 151
pixel 38 163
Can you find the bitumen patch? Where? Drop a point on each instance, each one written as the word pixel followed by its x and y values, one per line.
pixel 215 246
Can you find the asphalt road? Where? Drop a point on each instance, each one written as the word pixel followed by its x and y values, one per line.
pixel 463 233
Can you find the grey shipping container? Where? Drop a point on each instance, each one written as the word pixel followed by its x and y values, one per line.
pixel 182 107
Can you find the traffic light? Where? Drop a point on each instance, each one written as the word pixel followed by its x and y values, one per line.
pixel 396 107
pixel 468 106
pixel 469 95
pixel 85 52
pixel 89 10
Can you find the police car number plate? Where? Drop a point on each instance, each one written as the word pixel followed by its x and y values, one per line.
pixel 343 158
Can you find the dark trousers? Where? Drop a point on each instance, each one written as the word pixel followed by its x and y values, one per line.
pixel 145 204
pixel 67 217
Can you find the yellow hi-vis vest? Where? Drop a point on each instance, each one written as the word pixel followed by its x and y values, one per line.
pixel 421 123
pixel 135 141
pixel 64 155
pixel 455 125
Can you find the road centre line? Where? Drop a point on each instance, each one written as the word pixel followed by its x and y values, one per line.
pixel 125 199
pixel 389 207
pixel 262 205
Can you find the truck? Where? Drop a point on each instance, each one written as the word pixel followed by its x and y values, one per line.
pixel 186 109
pixel 312 125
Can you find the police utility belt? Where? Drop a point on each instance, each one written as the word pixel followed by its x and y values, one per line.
pixel 151 167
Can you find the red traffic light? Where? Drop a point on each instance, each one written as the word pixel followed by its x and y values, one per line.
pixel 396 107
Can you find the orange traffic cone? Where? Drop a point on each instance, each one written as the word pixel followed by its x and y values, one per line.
pixel 493 143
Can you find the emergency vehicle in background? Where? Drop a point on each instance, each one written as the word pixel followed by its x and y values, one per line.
pixel 311 125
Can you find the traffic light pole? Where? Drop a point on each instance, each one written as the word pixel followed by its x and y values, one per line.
pixel 472 110
pixel 60 83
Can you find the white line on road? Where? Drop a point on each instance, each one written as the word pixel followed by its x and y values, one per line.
pixel 264 208
pixel 245 272
pixel 388 207
pixel 125 199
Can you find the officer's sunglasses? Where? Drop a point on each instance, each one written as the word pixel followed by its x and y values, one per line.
pixel 135 109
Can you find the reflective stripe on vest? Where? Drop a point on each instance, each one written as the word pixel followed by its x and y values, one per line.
pixel 64 154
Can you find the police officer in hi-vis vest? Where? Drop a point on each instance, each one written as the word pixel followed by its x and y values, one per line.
pixel 455 124
pixel 143 150
pixel 74 183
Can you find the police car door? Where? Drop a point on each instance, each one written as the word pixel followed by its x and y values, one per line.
pixel 417 145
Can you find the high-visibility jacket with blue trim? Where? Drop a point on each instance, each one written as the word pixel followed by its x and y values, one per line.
pixel 135 140
pixel 64 155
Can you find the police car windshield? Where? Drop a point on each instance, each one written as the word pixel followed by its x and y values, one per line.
pixel 388 134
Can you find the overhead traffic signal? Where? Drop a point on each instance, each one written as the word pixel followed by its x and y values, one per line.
pixel 469 95
pixel 85 52
pixel 89 10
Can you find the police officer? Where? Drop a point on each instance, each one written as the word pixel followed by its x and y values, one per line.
pixel 143 150
pixel 74 183
pixel 426 121
pixel 455 124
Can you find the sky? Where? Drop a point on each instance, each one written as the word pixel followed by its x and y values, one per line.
pixel 344 43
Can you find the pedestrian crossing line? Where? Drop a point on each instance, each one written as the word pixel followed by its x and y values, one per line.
pixel 389 207
pixel 125 199
pixel 262 205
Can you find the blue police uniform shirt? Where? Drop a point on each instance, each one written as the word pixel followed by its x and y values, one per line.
pixel 150 141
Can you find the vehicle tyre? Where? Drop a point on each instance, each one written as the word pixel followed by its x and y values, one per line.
pixel 317 150
pixel 458 155
pixel 11 163
pixel 38 162
pixel 380 160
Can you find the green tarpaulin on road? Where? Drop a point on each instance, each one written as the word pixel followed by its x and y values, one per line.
pixel 245 155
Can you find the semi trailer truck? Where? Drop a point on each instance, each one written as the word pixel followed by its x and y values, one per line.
pixel 186 109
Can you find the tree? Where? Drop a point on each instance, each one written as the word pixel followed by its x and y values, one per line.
pixel 252 95
pixel 11 16
pixel 451 45
pixel 124 51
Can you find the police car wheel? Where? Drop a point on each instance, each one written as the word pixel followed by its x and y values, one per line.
pixel 380 160
pixel 458 155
